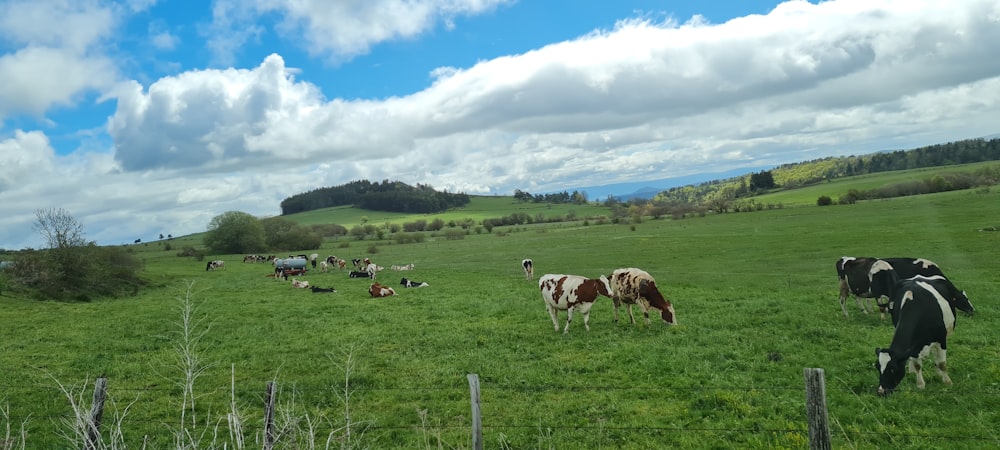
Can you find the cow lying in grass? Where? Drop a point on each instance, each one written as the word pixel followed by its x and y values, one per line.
pixel 377 290
pixel 319 290
pixel 569 293
pixel 410 283
pixel 300 284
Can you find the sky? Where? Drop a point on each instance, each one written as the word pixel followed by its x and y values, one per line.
pixel 149 117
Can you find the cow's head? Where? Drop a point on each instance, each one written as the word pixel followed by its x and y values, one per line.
pixel 648 291
pixel 891 369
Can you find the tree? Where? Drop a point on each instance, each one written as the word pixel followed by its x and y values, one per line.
pixel 71 268
pixel 59 228
pixel 235 232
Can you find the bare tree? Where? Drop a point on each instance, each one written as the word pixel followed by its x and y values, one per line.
pixel 59 228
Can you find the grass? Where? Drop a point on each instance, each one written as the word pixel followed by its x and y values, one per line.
pixel 755 294
pixel 839 187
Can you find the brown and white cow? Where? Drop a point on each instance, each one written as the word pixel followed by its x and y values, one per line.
pixel 636 286
pixel 377 290
pixel 569 293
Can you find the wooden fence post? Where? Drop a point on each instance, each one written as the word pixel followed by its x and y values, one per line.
pixel 269 417
pixel 96 413
pixel 816 414
pixel 477 421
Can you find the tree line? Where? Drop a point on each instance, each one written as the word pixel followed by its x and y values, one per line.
pixel 811 172
pixel 392 196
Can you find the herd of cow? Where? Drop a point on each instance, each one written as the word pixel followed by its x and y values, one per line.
pixel 915 292
pixel 298 265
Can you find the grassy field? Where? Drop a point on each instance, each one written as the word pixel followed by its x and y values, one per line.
pixel 755 295
pixel 836 188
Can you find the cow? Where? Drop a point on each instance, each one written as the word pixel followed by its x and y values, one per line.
pixel 854 274
pixel 312 259
pixel 358 274
pixel 377 290
pixel 410 283
pixel 324 266
pixel 372 269
pixel 318 290
pixel 924 320
pixel 300 284
pixel 636 286
pixel 884 280
pixel 571 293
pixel 529 270
pixel 215 265
pixel 399 268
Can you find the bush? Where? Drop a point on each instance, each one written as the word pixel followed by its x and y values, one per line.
pixel 824 200
pixel 453 235
pixel 78 273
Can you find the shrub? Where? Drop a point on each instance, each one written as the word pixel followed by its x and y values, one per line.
pixel 453 235
pixel 824 200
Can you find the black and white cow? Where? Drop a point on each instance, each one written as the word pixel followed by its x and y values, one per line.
pixel 410 283
pixel 358 274
pixel 885 281
pixel 528 266
pixel 855 277
pixel 924 319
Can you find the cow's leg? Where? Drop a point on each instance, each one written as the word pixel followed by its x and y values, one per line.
pixel 569 318
pixel 616 302
pixel 916 367
pixel 645 309
pixel 554 314
pixel 940 357
pixel 631 317
pixel 586 320
pixel 844 292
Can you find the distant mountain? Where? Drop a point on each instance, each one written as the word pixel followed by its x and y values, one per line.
pixel 649 188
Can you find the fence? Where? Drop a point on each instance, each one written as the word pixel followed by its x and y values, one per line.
pixel 815 402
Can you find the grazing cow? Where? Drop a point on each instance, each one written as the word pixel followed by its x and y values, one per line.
pixel 571 293
pixel 529 270
pixel 312 259
pixel 215 265
pixel 855 277
pixel 924 320
pixel 399 268
pixel 357 274
pixel 318 290
pixel 636 286
pixel 341 264
pixel 324 266
pixel 885 280
pixel 377 290
pixel 410 283
pixel 300 284
pixel 357 264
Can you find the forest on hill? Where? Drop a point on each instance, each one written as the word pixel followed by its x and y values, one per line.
pixel 394 196
pixel 796 175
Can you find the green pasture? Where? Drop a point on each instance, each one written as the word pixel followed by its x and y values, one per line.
pixel 755 295
pixel 836 188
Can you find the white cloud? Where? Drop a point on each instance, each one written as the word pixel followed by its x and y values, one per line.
pixel 644 100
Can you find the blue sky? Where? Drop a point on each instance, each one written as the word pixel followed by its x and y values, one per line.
pixel 143 117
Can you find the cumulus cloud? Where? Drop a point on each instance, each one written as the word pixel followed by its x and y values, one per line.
pixel 640 101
